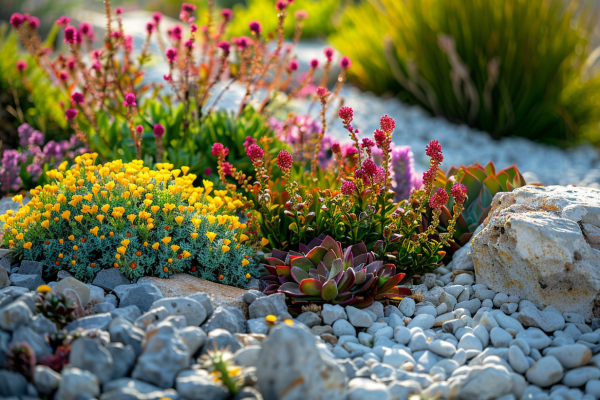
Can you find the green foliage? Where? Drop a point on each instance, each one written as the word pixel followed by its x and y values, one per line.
pixel 323 272
pixel 509 67
pixel 56 307
pixel 320 22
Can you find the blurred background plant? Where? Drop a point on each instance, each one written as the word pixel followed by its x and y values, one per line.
pixel 509 67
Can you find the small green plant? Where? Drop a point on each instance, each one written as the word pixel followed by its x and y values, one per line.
pixel 55 306
pixel 220 366
pixel 508 67
pixel 21 359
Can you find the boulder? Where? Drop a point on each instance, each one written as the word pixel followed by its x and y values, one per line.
pixel 142 295
pixel 533 245
pixel 110 278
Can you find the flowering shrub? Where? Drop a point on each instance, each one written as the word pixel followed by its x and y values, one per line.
pixel 127 216
pixel 23 168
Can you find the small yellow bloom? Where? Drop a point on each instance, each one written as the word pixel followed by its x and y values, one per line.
pixel 94 231
pixel 44 289
pixel 225 249
pixel 121 250
pixel 155 209
pixel 27 245
pixel 175 248
pixel 245 262
pixel 194 235
pixel 118 256
pixel 75 248
pixel 179 219
pixel 248 276
pixel 71 237
pixel 100 217
pixel 264 242
pixel 155 246
pixel 105 208
pixel 271 318
pixel 45 224
pixel 211 219
pixel 243 238
pixel 289 322
pixel 166 240
pixel 211 236
pixel 131 217
pixel 186 254
pixel 19 236
pixel 66 214
pixel 125 242
pixel 226 242
pixel 78 218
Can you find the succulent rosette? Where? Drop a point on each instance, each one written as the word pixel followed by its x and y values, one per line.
pixel 322 272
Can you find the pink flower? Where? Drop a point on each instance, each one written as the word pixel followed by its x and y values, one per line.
pixel 301 14
pixel 380 137
pixel 226 13
pixel 71 63
pixel 34 22
pixel 115 35
pixel 130 100
pixel 336 148
pixel 434 150
pixel 63 21
pixel 284 161
pixel 187 10
pixel 70 34
pixel 367 143
pixel 77 98
pixel 157 17
pixel 176 33
pixel 387 124
pixel 249 141
pixel 86 30
pixel 189 44
pixel 254 152
pixel 225 46
pixel 345 63
pixel 159 130
pixel 280 5
pixel 429 176
pixel 118 11
pixel 314 63
pixel 242 42
pixel 150 27
pixel 439 199
pixel 167 78
pixel 16 20
pixel 459 192
pixel 346 114
pixel 227 168
pixel 21 65
pixel 139 129
pixel 171 54
pixel 217 149
pixel 328 53
pixel 369 167
pixel 322 92
pixel 70 114
pixel 207 171
pixel 96 66
pixel 63 76
pixel 293 65
pixel 193 28
pixel 255 27
pixel 348 187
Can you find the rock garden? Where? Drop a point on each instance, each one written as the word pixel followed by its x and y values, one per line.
pixel 192 235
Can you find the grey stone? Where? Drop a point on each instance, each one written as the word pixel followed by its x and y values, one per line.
pixel 76 384
pixel 269 305
pixel 123 359
pixel 331 313
pixel 377 309
pixel 463 279
pixel 471 305
pixel 131 313
pixel 37 342
pixel 165 354
pixel 309 319
pixel 397 357
pixel 228 318
pixel 82 290
pixel 89 354
pixel 123 331
pixel 358 318
pixel 500 299
pixel 366 389
pixel 197 384
pixel 442 348
pixel 309 372
pixel 517 359
pixel 500 338
pixel 97 321
pixel 402 335
pixel 509 308
pixel 101 308
pixel 14 315
pixel 194 338
pixel 470 342
pixel 112 299
pixel 203 299
pixel 252 295
pixel 424 321
pixel 548 321
pixel 258 325
pixel 153 316
pixel 407 306
pixel 96 293
pixel 343 327
pixel 31 268
pixel 488 381
pixel 12 384
pixel 535 338
pixel 31 282
pixel 142 295
pixel 62 274
pixel 545 372
pixel 580 376
pixel 220 339
pixel 193 311
pixel 46 380
pixel 247 356
pixel 571 356
pixel 4 280
pixel 109 279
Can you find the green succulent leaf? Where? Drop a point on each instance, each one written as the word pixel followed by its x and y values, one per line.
pixel 329 290
pixel 311 287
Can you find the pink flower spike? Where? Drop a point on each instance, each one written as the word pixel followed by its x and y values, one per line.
pixel 284 160
pixel 187 10
pixel 345 63
pixel 301 14
pixel 77 98
pixel 157 17
pixel 63 21
pixel 193 28
pixel 150 27
pixel 314 63
pixel 226 13
pixel 242 42
pixel 346 114
pixel 336 148
pixel 387 124
pixel 322 92
pixel 380 137
pixel 70 34
pixel 348 187
pixel 70 114
pixel 139 129
pixel 63 76
pixel 227 168
pixel 118 11
pixel 167 78
pixel 255 27
pixel 130 100
pixel 159 130
pixel 254 152
pixel 171 54
pixel 34 22
pixel 328 53
pixel 224 45
pixel 21 65
pixel 459 192
pixel 293 65
pixel 280 5
pixel 85 28
pixel 439 199
pixel 217 149
pixel 249 141
pixel 16 20
pixel 434 150
pixel 189 44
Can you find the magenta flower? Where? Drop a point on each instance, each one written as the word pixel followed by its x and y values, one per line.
pixel 434 150
pixel 328 53
pixel 336 148
pixel 225 46
pixel 118 11
pixel 301 14
pixel 63 21
pixel 167 78
pixel 217 149
pixel 157 17
pixel 193 28
pixel 345 63
pixel 346 114
pixel 207 171
pixel 130 100
pixel 150 27
pixel 171 54
pixel 459 192
pixel 293 65
pixel 284 161
pixel 16 20
pixel 242 42
pixel 227 168
pixel 322 92
pixel 255 27
pixel 63 76
pixel 348 187
pixel 159 130
pixel 34 23
pixel 139 129
pixel 439 199
pixel 70 34
pixel 21 65
pixel 254 152
pixel 85 29
pixel 314 63
pixel 70 114
pixel 387 124
pixel 226 13
pixel 77 98
pixel 380 137
pixel 249 141
pixel 280 5
pixel 189 44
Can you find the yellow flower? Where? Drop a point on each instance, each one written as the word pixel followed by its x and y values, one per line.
pixel 166 240
pixel 155 209
pixel 100 218
pixel 27 245
pixel 175 248
pixel 66 214
pixel 225 248
pixel 211 219
pixel 211 236
pixel 245 262
pixel 271 318
pixel 105 208
pixel 131 217
pixel 185 170
pixel 20 236
pixel 71 237
pixel 94 231
pixel 78 218
pixel 75 248
pixel 288 322
pixel 186 254
pixel 243 238
pixel 44 289
pixel 155 246
pixel 45 224
pixel 194 235
pixel 121 250
pixel 248 276
pixel 118 256
pixel 179 219
pixel 264 242
pixel 125 242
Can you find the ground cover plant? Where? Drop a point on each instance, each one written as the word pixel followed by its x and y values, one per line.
pixel 127 216
pixel 481 62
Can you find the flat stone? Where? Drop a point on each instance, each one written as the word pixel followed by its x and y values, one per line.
pixel 342 327
pixel 82 290
pixel 407 306
pixel 98 321
pixel 36 341
pixel 309 319
pixel 123 331
pixel 269 305
pixel 142 295
pixel 229 318
pixel 12 384
pixel 31 268
pixel 545 320
pixel 442 348
pixel 131 313
pixel 46 380
pixel 252 295
pixel 194 312
pixel 14 315
pixel 358 318
pixel 464 279
pixel 366 389
pixel 331 313
pixel 500 338
pixel 532 246
pixel 580 376
pixel 424 321
pixel 90 355
pixel 571 356
pixel 198 384
pixel 31 282
pixel 545 372
pixel 77 383
pixel 109 279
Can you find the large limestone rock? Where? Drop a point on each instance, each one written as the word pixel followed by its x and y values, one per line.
pixel 541 244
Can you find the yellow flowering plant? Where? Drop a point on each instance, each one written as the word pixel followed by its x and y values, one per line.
pixel 125 215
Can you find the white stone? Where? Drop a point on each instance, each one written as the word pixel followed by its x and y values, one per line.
pixel 532 246
pixel 593 388
pixel 358 318
pixel 75 383
pixel 482 334
pixel 500 338
pixel 579 376
pixel 517 359
pixel 397 357
pixel 331 313
pixel 545 372
pixel 366 389
pixel 535 338
pixel 402 335
pixel 487 303
pixel 509 308
pixel 464 279
pixel 193 311
pixel 343 327
pixel 407 307
pixel 424 321
pixel 506 322
pixel 571 356
pixel 499 299
pixel 482 383
pixel 462 259
pixel 442 348
pixel 548 321
pixel 470 342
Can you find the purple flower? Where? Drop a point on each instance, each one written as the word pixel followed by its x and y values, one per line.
pixel 35 171
pixel 159 130
pixel 405 177
pixel 29 137
pixel 130 100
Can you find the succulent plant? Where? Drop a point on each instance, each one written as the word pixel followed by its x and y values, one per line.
pixel 21 359
pixel 322 272
pixel 58 359
pixel 56 307
pixel 482 185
